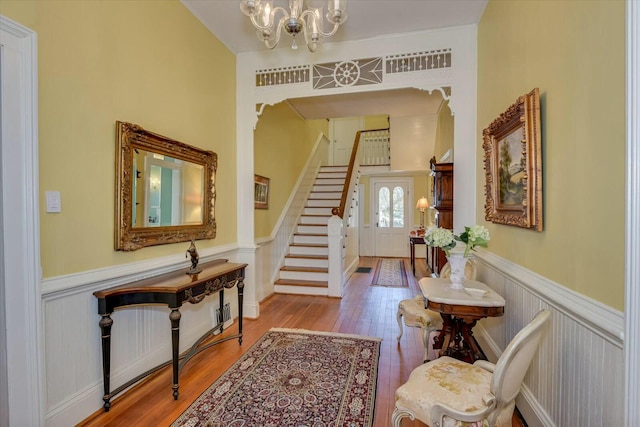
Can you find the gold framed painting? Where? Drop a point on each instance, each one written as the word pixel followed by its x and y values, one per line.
pixel 261 192
pixel 513 165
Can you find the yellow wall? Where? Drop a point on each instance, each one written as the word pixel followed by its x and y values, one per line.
pixel 574 52
pixel 444 132
pixel 282 144
pixel 147 62
pixel 376 122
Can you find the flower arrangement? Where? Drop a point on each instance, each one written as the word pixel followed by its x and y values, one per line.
pixel 476 235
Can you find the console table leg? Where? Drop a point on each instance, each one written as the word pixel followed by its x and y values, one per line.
pixel 221 300
pixel 240 286
pixel 175 343
pixel 105 328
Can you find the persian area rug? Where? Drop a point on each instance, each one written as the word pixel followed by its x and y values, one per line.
pixel 390 272
pixel 294 377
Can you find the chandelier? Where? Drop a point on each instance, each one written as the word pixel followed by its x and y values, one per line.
pixel 308 22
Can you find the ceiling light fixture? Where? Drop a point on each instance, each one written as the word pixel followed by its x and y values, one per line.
pixel 308 22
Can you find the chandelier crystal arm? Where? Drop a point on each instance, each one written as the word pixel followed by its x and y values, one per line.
pixel 295 21
pixel 270 21
pixel 272 41
pixel 310 16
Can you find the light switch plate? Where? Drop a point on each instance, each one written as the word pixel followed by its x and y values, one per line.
pixel 53 201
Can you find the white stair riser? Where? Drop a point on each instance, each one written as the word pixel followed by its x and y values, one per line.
pixel 333 203
pixel 308 250
pixel 317 211
pixel 304 275
pixel 338 168
pixel 301 290
pixel 313 229
pixel 316 240
pixel 330 181
pixel 337 188
pixel 339 175
pixel 324 220
pixel 306 262
pixel 335 195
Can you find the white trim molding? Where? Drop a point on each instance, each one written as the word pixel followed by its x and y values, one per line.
pixel 577 375
pixel 21 229
pixel 632 246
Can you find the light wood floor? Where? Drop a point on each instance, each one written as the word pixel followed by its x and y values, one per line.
pixel 364 310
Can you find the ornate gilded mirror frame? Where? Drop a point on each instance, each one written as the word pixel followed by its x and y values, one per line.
pixel 132 138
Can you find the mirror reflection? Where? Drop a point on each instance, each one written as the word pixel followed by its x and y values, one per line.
pixel 166 191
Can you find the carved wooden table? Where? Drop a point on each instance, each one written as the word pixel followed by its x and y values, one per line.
pixel 460 310
pixel 171 289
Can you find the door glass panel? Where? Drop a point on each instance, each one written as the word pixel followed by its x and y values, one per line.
pixel 398 207
pixel 384 208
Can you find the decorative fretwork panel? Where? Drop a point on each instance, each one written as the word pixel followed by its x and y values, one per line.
pixel 356 72
pixel 283 76
pixel 418 61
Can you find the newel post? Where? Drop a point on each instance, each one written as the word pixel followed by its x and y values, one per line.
pixel 336 259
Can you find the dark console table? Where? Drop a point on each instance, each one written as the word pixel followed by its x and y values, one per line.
pixel 171 289
pixel 413 241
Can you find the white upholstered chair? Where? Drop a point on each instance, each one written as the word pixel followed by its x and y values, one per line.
pixel 417 316
pixel 450 393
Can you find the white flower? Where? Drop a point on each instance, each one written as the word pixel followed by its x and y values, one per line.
pixel 476 235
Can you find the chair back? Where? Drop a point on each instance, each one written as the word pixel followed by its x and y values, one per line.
pixel 516 358
pixel 469 270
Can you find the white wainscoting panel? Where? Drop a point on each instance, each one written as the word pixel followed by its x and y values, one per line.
pixel 577 376
pixel 141 336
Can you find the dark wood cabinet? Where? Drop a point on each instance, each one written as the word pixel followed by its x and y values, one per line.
pixel 443 204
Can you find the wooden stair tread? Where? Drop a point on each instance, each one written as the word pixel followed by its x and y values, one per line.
pixel 311 234
pixel 307 256
pixel 311 245
pixel 308 283
pixel 305 269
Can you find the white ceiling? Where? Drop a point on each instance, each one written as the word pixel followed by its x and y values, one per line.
pixel 400 102
pixel 367 19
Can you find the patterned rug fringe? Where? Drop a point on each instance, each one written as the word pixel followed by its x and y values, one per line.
pixel 331 334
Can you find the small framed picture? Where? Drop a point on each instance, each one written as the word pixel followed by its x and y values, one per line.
pixel 513 165
pixel 261 192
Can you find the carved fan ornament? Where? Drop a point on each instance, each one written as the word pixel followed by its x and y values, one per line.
pixel 513 165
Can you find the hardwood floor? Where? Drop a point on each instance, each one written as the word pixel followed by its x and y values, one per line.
pixel 364 310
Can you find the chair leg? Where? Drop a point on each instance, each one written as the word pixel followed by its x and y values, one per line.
pixel 399 414
pixel 425 342
pixel 399 319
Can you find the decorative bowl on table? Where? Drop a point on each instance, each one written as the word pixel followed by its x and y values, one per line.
pixel 475 292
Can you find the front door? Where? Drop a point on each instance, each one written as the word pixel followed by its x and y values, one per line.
pixel 392 216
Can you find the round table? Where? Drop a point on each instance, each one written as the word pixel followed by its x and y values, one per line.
pixel 460 311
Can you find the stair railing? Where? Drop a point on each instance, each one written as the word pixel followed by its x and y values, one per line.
pixel 376 147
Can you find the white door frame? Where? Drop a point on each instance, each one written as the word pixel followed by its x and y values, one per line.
pixel 21 231
pixel 409 220
pixel 632 244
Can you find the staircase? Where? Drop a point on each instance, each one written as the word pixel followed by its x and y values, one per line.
pixel 306 266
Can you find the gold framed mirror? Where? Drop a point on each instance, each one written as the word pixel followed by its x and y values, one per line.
pixel 165 190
